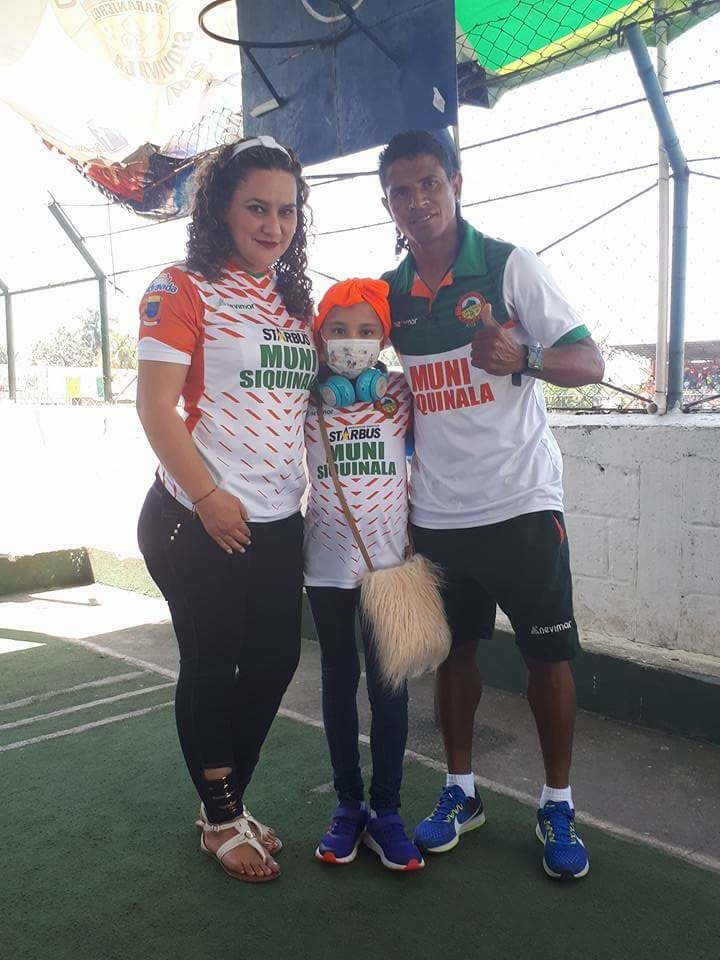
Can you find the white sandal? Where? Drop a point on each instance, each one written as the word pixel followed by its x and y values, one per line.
pixel 267 837
pixel 244 835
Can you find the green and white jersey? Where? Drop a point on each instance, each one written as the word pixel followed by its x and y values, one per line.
pixel 483 450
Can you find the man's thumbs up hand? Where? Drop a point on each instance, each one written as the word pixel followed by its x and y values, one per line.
pixel 493 349
pixel 486 316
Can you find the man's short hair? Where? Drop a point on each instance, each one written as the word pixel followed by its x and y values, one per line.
pixel 415 143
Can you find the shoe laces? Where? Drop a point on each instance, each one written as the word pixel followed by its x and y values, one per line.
pixel 559 825
pixel 447 807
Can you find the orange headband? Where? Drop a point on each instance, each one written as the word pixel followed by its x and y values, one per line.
pixel 356 290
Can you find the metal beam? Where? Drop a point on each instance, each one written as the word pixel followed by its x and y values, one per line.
pixel 9 340
pixel 662 46
pixel 77 241
pixel 53 286
pixel 681 180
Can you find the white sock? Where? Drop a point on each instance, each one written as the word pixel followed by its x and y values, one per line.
pixel 466 782
pixel 557 795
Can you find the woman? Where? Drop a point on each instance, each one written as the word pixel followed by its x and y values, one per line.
pixel 229 331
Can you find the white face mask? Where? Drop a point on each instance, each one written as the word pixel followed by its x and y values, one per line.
pixel 350 357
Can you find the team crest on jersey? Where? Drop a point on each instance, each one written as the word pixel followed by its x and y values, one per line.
pixel 151 310
pixel 387 405
pixel 469 307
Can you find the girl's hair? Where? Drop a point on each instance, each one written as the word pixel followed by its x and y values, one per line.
pixel 210 244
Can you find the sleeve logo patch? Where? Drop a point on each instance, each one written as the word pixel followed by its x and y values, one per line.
pixel 151 310
pixel 469 307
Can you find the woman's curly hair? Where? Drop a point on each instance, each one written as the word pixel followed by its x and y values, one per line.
pixel 210 244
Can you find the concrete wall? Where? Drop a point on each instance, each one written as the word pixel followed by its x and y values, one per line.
pixel 642 504
pixel 642 499
pixel 71 477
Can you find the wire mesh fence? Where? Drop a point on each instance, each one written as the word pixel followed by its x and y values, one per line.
pixel 532 40
pixel 630 384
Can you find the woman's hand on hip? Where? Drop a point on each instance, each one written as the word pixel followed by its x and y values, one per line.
pixel 224 518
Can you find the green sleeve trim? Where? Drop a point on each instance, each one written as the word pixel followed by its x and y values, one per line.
pixel 572 336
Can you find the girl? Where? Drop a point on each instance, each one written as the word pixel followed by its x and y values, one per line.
pixel 221 533
pixel 358 425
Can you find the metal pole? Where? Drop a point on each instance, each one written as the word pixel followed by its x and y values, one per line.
pixel 9 340
pixel 75 238
pixel 681 177
pixel 661 350
pixel 456 140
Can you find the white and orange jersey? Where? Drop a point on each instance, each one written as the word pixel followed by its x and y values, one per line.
pixel 251 365
pixel 368 442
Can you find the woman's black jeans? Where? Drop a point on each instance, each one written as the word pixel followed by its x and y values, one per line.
pixel 334 612
pixel 237 621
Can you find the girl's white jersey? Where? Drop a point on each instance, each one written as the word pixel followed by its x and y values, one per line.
pixel 246 394
pixel 368 443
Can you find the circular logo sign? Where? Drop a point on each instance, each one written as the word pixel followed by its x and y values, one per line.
pixel 469 307
pixel 146 41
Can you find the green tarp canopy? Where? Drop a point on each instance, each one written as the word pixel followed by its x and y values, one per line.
pixel 502 43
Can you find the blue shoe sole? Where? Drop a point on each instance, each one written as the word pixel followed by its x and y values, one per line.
pixel 566 874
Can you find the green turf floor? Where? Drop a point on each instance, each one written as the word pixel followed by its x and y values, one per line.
pixel 55 664
pixel 100 860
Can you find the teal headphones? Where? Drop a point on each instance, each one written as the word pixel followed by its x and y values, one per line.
pixel 369 386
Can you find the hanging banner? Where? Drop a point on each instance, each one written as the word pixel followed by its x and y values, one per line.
pixel 129 91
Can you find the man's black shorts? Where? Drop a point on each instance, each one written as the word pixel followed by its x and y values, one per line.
pixel 522 565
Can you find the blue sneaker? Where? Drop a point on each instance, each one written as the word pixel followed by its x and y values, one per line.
pixel 385 835
pixel 340 844
pixel 565 855
pixel 454 814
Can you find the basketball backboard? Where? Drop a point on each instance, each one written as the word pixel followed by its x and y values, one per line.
pixel 346 86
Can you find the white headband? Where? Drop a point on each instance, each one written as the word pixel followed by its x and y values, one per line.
pixel 262 141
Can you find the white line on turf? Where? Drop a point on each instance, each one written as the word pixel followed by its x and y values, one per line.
pixel 84 706
pixel 38 697
pixel 132 661
pixel 681 853
pixel 83 728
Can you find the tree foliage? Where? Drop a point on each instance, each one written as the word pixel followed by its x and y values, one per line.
pixel 80 345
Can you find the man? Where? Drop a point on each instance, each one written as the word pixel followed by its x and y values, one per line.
pixel 477 324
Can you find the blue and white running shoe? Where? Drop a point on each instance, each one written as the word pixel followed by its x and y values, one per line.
pixel 454 814
pixel 565 856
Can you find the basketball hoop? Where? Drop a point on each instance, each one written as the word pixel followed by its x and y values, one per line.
pixel 329 39
pixel 323 18
pixel 247 46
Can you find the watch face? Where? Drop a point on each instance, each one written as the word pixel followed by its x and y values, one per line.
pixel 535 358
